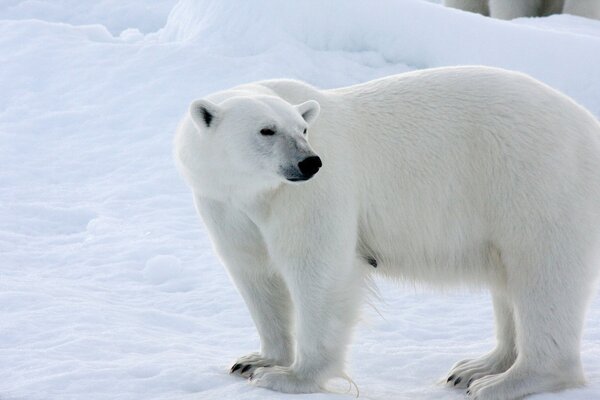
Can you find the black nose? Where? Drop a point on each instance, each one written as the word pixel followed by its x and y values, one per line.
pixel 310 165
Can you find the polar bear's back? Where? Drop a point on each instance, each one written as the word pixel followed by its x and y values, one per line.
pixel 454 117
pixel 485 99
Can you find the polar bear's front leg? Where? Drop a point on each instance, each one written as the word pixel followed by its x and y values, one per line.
pixel 497 361
pixel 268 301
pixel 241 247
pixel 326 288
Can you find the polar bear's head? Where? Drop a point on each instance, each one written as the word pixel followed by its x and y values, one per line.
pixel 257 139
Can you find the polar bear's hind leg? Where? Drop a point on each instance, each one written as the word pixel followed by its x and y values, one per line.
pixel 498 360
pixel 549 310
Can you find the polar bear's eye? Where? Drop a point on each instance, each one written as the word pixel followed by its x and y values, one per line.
pixel 304 131
pixel 267 132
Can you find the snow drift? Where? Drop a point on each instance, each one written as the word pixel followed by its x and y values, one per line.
pixel 410 32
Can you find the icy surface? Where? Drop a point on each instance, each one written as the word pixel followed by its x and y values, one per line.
pixel 109 288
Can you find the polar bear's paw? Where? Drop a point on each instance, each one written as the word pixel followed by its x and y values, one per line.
pixel 467 371
pixel 283 379
pixel 517 383
pixel 246 365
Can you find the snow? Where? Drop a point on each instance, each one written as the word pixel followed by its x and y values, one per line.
pixel 109 288
pixel 115 15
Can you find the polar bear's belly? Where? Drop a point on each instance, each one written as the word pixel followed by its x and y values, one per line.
pixel 426 250
pixel 478 263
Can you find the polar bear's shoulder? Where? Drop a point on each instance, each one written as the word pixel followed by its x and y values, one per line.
pixel 246 90
pixel 291 90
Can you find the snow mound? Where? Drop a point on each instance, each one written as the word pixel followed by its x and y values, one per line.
pixel 411 32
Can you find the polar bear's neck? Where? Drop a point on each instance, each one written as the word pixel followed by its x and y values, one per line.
pixel 241 195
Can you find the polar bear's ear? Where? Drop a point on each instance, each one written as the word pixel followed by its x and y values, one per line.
pixel 204 113
pixel 309 110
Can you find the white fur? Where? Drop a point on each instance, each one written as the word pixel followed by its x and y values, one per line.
pixel 509 9
pixel 583 8
pixel 452 175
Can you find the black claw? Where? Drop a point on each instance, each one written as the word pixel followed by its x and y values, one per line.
pixel 470 381
pixel 235 367
pixel 267 366
pixel 251 376
pixel 468 392
pixel 457 381
pixel 246 368
pixel 449 379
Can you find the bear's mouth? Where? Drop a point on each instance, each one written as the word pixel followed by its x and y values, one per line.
pixel 292 174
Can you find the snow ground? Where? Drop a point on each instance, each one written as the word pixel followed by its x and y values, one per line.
pixel 108 285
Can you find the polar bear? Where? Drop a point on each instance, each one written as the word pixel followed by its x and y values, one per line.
pixel 509 9
pixel 452 175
